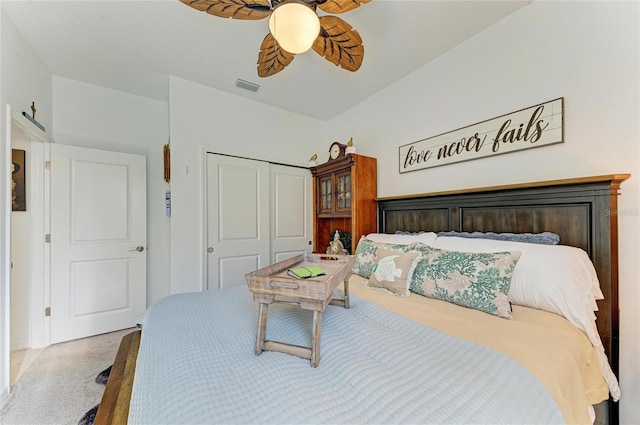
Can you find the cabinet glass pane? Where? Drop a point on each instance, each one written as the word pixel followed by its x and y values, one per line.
pixel 325 194
pixel 344 201
pixel 348 190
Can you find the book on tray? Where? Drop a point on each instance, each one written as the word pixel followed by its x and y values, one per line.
pixel 306 272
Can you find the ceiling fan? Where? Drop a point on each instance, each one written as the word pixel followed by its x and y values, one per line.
pixel 330 37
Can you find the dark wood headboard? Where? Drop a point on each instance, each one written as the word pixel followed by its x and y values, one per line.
pixel 583 211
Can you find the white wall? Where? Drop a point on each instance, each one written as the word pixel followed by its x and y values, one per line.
pixel 92 116
pixel 95 117
pixel 586 52
pixel 24 78
pixel 201 116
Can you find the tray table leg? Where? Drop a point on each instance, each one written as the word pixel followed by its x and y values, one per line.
pixel 262 327
pixel 346 291
pixel 315 343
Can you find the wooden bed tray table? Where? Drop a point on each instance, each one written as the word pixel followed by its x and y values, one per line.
pixel 313 293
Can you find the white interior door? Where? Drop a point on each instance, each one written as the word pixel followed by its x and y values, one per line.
pixel 98 241
pixel 291 214
pixel 237 219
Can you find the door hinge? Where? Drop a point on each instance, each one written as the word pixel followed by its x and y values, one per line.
pixel 47 165
pixel 47 238
pixel 47 311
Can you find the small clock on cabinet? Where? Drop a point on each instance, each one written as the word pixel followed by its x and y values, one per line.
pixel 336 150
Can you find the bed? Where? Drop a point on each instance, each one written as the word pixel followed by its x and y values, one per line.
pixel 393 334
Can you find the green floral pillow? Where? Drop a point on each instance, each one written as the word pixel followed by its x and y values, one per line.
pixel 420 248
pixel 475 280
pixel 366 255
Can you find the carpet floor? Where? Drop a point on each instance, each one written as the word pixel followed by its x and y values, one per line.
pixel 60 386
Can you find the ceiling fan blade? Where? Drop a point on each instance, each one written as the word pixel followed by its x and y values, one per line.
pixel 339 6
pixel 339 43
pixel 272 58
pixel 236 9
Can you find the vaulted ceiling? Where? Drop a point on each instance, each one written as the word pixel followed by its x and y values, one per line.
pixel 134 46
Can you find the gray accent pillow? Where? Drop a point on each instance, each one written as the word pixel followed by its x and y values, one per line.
pixel 544 238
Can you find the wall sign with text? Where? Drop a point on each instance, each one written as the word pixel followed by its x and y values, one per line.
pixel 536 126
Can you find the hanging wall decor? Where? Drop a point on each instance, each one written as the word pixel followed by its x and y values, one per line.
pixel 166 154
pixel 32 117
pixel 532 127
pixel 18 186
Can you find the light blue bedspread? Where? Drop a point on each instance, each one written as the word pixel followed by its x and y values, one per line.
pixel 197 365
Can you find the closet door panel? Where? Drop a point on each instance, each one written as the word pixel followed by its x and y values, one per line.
pixel 291 214
pixel 237 219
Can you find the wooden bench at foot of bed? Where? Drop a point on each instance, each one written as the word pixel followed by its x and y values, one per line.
pixel 114 406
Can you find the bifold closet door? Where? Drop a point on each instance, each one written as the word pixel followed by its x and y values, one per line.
pixel 237 219
pixel 257 214
pixel 291 214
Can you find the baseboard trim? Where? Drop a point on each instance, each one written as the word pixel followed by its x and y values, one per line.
pixel 4 396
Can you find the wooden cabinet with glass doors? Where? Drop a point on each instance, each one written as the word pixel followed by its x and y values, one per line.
pixel 345 190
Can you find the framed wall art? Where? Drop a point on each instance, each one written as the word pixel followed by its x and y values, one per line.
pixel 18 180
pixel 532 127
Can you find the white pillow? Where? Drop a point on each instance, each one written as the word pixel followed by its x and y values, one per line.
pixel 541 271
pixel 427 238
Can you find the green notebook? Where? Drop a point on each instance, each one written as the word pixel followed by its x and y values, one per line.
pixel 306 272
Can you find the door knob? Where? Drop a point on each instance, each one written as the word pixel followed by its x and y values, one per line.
pixel 210 250
pixel 138 248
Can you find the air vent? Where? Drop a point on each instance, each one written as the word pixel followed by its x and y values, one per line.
pixel 247 85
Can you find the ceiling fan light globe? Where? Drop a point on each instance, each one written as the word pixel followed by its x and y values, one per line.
pixel 295 26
